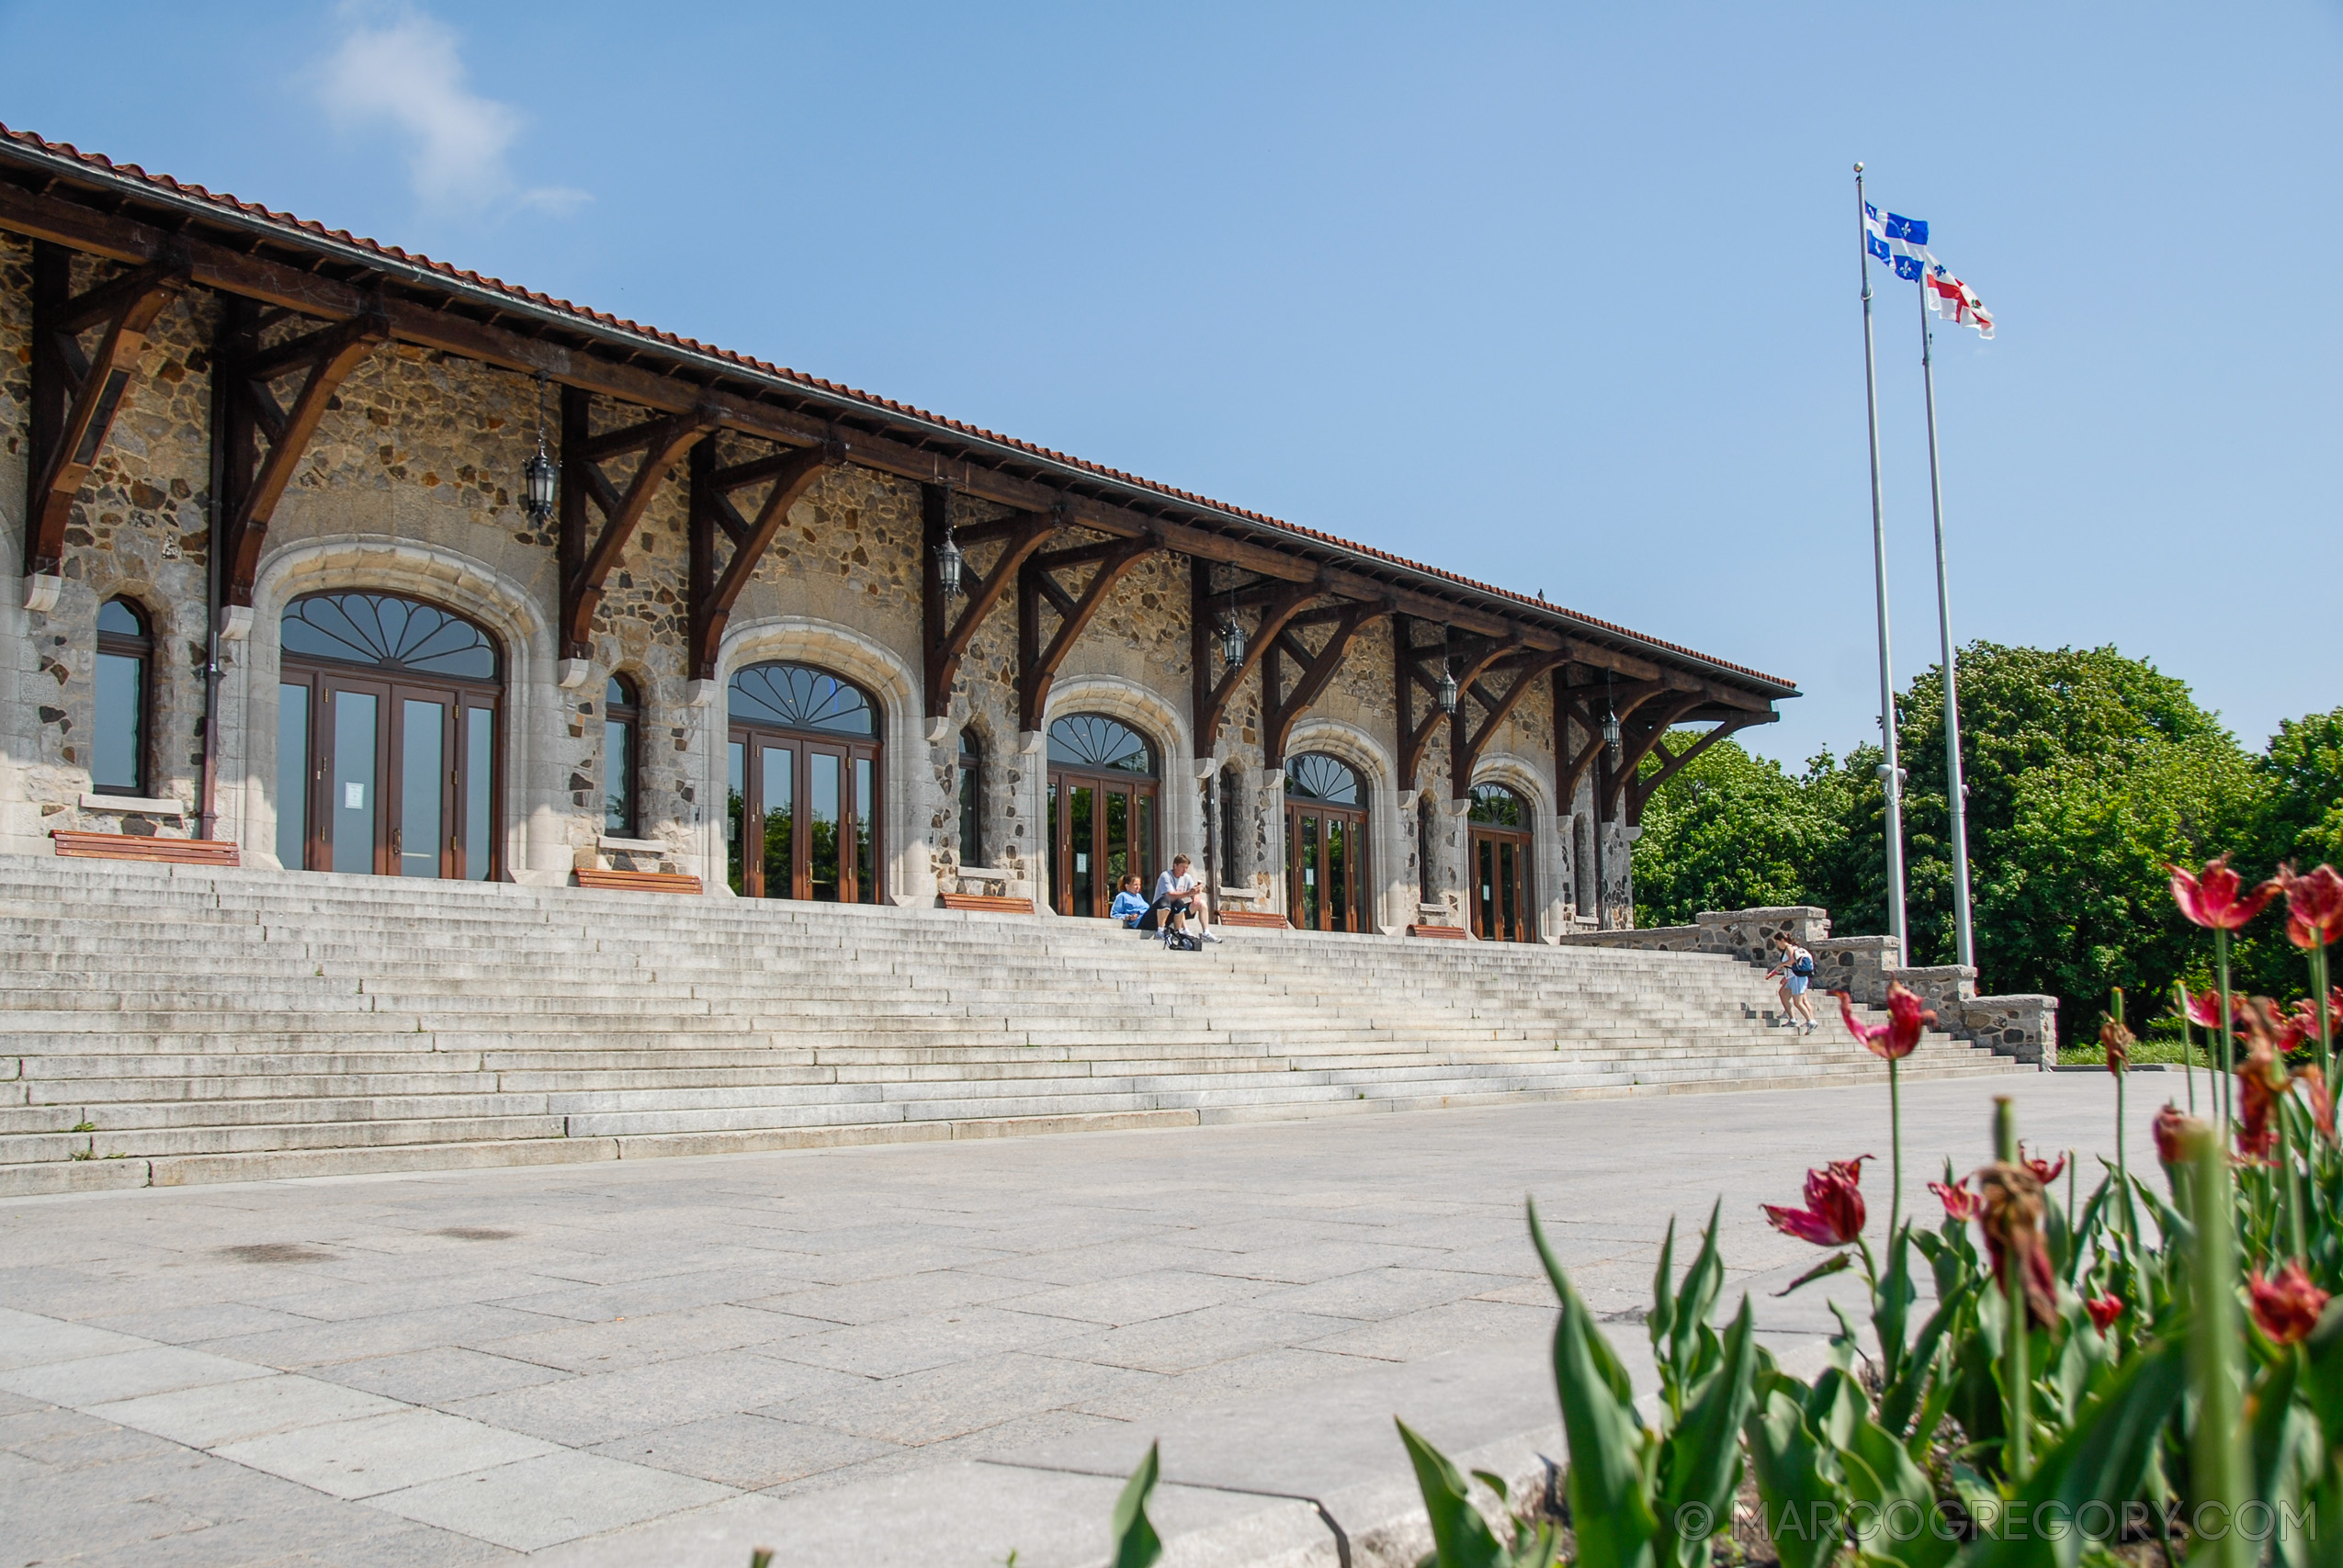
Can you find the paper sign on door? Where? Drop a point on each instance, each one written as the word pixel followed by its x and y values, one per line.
pixel 354 798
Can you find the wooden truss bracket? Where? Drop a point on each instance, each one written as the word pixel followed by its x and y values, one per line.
pixel 1467 741
pixel 77 393
pixel 713 592
pixel 946 636
pixel 1282 708
pixel 586 566
pixel 1280 603
pixel 1641 789
pixel 1638 735
pixel 247 416
pixel 1038 588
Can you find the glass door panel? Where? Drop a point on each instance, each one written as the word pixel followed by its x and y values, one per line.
pixel 865 843
pixel 1143 852
pixel 478 794
pixel 1310 890
pixel 1081 833
pixel 351 786
pixel 822 824
pixel 292 775
pixel 1120 859
pixel 736 807
pixel 1337 892
pixel 423 745
pixel 776 777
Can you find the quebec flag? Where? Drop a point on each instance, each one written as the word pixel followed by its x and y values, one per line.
pixel 1900 242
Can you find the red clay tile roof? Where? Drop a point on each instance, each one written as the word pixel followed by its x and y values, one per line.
pixel 302 229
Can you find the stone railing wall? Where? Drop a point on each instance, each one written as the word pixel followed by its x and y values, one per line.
pixel 2023 1026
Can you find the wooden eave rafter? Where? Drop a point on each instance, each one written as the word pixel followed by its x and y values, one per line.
pixel 604 361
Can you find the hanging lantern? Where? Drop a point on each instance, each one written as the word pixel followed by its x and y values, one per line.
pixel 949 561
pixel 1447 689
pixel 1232 641
pixel 539 475
pixel 1610 734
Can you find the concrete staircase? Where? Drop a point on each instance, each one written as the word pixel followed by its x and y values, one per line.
pixel 169 1025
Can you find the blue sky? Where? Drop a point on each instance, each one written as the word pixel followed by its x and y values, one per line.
pixel 1560 296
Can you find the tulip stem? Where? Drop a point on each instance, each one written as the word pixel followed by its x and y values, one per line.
pixel 2325 1025
pixel 2122 1172
pixel 2218 1450
pixel 2228 1034
pixel 1895 1147
pixel 2018 1456
pixel 2188 1047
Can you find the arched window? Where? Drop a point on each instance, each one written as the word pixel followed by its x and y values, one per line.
pixel 125 697
pixel 1314 775
pixel 1499 808
pixel 387 725
pixel 1325 844
pixel 971 798
pixel 621 758
pixel 1094 743
pixel 794 696
pixel 804 785
pixel 1101 811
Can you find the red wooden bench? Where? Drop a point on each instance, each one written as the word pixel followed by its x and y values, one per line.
pixel 1260 919
pixel 985 903
pixel 640 881
pixel 129 846
pixel 1448 933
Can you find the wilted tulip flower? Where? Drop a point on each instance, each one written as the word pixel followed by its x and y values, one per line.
pixel 2314 906
pixel 2104 1312
pixel 2261 1083
pixel 2117 1042
pixel 2304 1018
pixel 2045 1170
pixel 1960 1205
pixel 2205 1008
pixel 2171 1129
pixel 2012 1226
pixel 1834 1213
pixel 2217 897
pixel 2286 1307
pixel 1907 1020
pixel 2322 1103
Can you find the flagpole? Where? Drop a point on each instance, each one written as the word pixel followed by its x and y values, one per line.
pixel 1955 792
pixel 1891 776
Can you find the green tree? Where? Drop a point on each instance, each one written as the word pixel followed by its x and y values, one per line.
pixel 2302 821
pixel 1730 831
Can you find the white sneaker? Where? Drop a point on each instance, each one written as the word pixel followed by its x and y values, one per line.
pixel 1212 936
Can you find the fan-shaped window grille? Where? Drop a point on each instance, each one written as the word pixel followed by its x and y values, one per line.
pixel 388 633
pixel 1494 806
pixel 1094 742
pixel 794 696
pixel 1314 775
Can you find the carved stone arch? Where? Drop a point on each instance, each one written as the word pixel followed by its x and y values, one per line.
pixel 1552 861
pixel 537 813
pixel 1392 852
pixel 906 781
pixel 1151 713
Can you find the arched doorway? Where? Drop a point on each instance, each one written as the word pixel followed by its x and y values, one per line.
pixel 1502 847
pixel 1326 840
pixel 387 753
pixel 1101 811
pixel 803 786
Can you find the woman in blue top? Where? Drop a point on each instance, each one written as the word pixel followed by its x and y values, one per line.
pixel 1130 903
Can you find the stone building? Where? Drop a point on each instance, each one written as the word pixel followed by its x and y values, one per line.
pixel 284 589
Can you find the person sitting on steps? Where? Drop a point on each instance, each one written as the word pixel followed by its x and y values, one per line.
pixel 1796 971
pixel 1180 896
pixel 1129 903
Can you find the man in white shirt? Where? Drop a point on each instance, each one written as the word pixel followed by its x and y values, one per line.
pixel 1180 896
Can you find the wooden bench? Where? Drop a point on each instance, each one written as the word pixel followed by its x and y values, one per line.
pixel 638 881
pixel 984 903
pixel 1446 933
pixel 1258 919
pixel 130 846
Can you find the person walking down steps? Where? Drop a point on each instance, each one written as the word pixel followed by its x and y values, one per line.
pixel 1795 966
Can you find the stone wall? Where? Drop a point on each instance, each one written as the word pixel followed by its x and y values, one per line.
pixel 408 487
pixel 2024 1026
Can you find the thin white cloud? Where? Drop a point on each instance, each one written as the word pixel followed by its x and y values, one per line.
pixel 404 69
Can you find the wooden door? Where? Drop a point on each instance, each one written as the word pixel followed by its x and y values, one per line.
pixel 1501 889
pixel 1325 867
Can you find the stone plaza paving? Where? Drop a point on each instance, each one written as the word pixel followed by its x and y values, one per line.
pixel 660 1363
